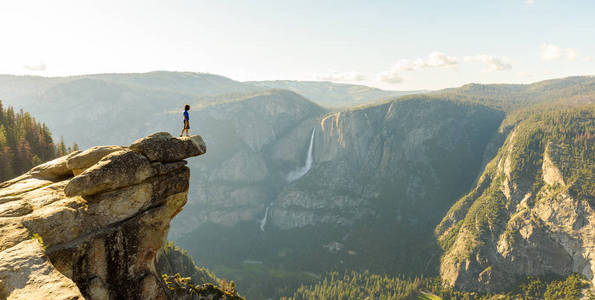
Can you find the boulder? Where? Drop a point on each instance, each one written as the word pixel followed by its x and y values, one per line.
pixel 89 157
pixel 117 169
pixel 163 147
pixel 55 168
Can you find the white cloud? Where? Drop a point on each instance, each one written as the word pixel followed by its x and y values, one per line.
pixel 37 68
pixel 434 60
pixel 554 52
pixel 493 63
pixel 437 60
pixel 340 76
pixel 390 76
pixel 440 60
pixel 550 52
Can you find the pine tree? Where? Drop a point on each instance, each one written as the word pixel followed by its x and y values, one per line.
pixel 3 140
pixel 61 148
pixel 24 143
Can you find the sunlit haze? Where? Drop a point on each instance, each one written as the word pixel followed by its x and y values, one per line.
pixel 401 45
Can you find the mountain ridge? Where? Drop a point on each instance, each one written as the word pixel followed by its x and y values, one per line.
pixel 536 194
pixel 387 172
pixel 334 95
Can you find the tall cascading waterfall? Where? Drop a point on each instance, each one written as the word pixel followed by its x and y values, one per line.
pixel 263 222
pixel 297 174
pixel 293 176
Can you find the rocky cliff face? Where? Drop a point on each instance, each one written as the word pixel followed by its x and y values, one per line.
pixel 381 175
pixel 404 160
pixel 401 154
pixel 532 210
pixel 92 224
pixel 239 179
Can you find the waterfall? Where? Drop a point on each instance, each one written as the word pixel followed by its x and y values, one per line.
pixel 294 175
pixel 263 222
pixel 297 174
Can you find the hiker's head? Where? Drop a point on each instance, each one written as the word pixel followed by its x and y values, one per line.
pixel 187 107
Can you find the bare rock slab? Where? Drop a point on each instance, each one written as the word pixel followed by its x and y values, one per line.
pixel 117 169
pixel 90 156
pixel 90 225
pixel 163 147
pixel 27 273
pixel 55 168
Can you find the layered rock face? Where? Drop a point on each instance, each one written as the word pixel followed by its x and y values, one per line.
pixel 238 179
pixel 394 157
pixel 92 224
pixel 531 212
pixel 404 160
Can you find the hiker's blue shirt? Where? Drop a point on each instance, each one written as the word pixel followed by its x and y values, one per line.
pixel 186 117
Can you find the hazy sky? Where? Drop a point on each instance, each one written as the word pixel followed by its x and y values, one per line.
pixel 399 45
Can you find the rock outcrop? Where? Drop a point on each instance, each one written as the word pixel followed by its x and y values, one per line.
pixel 92 224
pixel 532 210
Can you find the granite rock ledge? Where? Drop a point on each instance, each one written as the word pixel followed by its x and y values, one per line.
pixel 91 224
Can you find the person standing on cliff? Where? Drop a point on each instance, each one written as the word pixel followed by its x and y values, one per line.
pixel 186 120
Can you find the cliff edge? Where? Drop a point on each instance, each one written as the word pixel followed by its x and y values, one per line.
pixel 92 224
